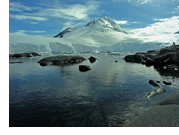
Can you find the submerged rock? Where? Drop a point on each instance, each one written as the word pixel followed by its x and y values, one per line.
pixel 61 60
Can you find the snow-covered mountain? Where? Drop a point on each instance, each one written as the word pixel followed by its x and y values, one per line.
pixel 102 34
pixel 95 27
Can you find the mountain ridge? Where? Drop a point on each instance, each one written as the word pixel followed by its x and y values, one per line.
pixel 101 24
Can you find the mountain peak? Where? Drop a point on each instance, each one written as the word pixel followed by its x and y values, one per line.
pixel 107 22
pixel 101 24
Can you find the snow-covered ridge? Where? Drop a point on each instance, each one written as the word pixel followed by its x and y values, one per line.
pixel 100 35
pixel 105 24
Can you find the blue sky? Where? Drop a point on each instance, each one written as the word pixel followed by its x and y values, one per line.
pixel 48 18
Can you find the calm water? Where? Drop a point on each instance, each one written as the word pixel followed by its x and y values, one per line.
pixel 111 94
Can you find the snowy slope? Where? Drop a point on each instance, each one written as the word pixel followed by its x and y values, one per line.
pixel 102 34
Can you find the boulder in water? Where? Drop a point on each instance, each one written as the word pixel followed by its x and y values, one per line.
pixel 84 68
pixel 61 60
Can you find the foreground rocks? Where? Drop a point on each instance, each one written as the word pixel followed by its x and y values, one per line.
pixel 167 58
pixel 61 60
pixel 164 114
pixel 19 55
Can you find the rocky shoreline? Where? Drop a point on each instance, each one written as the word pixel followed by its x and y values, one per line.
pixel 165 58
pixel 166 112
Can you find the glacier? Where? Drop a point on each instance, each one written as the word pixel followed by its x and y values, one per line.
pixel 101 35
pixel 55 47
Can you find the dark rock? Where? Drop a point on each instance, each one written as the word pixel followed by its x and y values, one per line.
pixel 35 54
pixel 61 34
pixel 170 67
pixel 154 83
pixel 173 58
pixel 129 58
pixel 19 55
pixel 153 52
pixel 61 60
pixel 84 68
pixel 167 83
pixel 161 59
pixel 157 58
pixel 116 61
pixel 167 50
pixel 92 59
pixel 139 58
pixel 149 62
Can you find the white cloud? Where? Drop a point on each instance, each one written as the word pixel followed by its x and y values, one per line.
pixel 162 27
pixel 121 22
pixel 18 7
pixel 56 10
pixel 23 32
pixel 70 12
pixel 176 10
pixel 137 1
pixel 27 17
pixel 124 22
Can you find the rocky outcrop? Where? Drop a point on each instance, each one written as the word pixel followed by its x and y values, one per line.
pixel 19 55
pixel 61 60
pixel 163 58
pixel 64 32
pixel 164 114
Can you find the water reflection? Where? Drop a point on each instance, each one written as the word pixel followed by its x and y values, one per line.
pixel 111 94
